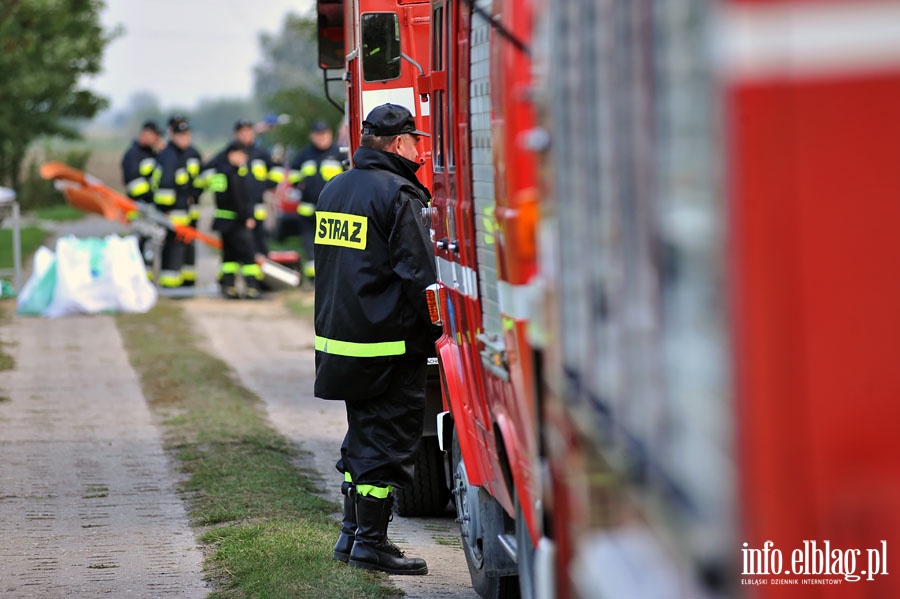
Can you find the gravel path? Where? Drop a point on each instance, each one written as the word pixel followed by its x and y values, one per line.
pixel 88 506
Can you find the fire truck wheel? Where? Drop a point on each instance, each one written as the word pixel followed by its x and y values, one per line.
pixel 428 495
pixel 470 514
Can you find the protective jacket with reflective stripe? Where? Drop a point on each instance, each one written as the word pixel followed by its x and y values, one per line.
pixel 231 185
pixel 173 179
pixel 260 163
pixel 312 168
pixel 373 260
pixel 138 164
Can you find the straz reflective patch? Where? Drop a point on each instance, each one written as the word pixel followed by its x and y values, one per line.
pixel 344 230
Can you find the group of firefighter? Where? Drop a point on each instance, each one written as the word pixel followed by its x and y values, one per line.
pixel 169 174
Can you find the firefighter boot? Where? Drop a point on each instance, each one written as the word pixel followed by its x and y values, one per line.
pixel 252 287
pixel 227 285
pixel 372 550
pixel 348 525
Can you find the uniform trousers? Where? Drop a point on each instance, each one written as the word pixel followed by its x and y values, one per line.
pixel 384 432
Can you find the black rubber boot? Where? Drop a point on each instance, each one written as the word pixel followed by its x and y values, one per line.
pixel 372 550
pixel 348 524
pixel 227 285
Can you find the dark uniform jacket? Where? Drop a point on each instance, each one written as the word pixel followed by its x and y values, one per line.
pixel 138 165
pixel 312 168
pixel 260 164
pixel 374 259
pixel 231 186
pixel 174 178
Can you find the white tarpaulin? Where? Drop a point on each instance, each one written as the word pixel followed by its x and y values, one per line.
pixel 87 276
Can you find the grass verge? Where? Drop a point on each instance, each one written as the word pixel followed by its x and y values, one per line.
pixel 266 532
pixel 60 212
pixel 31 237
pixel 301 303
pixel 7 362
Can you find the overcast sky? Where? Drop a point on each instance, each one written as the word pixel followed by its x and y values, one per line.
pixel 186 50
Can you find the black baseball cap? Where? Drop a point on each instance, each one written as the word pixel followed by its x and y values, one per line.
pixel 180 126
pixel 319 125
pixel 241 123
pixel 390 119
pixel 151 126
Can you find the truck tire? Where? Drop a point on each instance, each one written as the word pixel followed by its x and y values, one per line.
pixel 472 507
pixel 428 495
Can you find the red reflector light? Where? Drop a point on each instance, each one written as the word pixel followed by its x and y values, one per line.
pixel 432 294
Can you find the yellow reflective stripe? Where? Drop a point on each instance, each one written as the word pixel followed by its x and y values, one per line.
pixel 252 270
pixel 146 166
pixel 276 174
pixel 226 214
pixel 293 176
pixel 218 183
pixel 182 176
pixel 347 477
pixel 360 350
pixel 179 217
pixel 193 166
pixel 330 172
pixel 137 187
pixel 306 209
pixel 330 168
pixel 194 213
pixel 164 197
pixel 188 274
pixel 344 230
pixel 230 268
pixel 170 278
pixel 488 221
pixel 242 171
pixel 373 491
pixel 308 169
pixel 259 212
pixel 258 168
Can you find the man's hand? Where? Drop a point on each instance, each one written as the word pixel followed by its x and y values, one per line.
pixel 251 223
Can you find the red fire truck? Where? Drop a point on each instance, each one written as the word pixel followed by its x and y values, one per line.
pixel 664 241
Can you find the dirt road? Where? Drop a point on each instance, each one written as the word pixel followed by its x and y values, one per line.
pixel 88 506
pixel 88 502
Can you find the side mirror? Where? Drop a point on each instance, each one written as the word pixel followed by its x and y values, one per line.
pixel 330 27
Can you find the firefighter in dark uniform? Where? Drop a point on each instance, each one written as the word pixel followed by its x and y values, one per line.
pixel 175 194
pixel 189 268
pixel 310 170
pixel 263 177
pixel 231 180
pixel 138 164
pixel 374 260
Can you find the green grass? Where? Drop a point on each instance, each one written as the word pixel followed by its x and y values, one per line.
pixel 7 362
pixel 61 212
pixel 288 243
pixel 32 238
pixel 266 531
pixel 301 302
